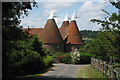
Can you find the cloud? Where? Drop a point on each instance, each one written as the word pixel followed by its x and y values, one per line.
pixel 71 0
pixel 46 10
pixel 88 11
pixel 57 6
pixel 32 22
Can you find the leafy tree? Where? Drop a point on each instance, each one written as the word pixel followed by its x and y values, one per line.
pixel 88 33
pixel 21 50
pixel 108 40
pixel 11 31
pixel 37 45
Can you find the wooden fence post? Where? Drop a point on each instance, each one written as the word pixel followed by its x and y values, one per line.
pixel 112 72
pixel 105 69
pixel 119 74
pixel 109 68
pixel 98 65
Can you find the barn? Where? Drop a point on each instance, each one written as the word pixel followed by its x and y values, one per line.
pixel 67 38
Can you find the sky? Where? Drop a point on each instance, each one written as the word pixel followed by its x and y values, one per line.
pixel 85 11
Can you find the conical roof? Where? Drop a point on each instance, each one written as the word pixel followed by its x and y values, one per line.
pixel 74 34
pixel 63 32
pixel 65 23
pixel 51 34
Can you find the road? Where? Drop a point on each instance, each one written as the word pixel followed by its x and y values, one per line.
pixel 63 71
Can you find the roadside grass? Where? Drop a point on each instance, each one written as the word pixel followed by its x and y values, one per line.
pixel 88 72
pixel 35 75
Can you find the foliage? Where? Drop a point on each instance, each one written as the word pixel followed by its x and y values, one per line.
pixel 64 59
pixel 23 55
pixel 88 33
pixel 32 63
pixel 75 57
pixel 47 60
pixel 11 13
pixel 85 58
pixel 57 54
pixel 22 52
pixel 107 43
pixel 37 46
pixel 60 58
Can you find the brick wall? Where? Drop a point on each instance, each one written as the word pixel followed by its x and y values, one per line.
pixel 54 47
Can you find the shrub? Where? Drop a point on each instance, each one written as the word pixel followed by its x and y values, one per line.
pixel 85 58
pixel 15 59
pixel 66 59
pixel 75 57
pixel 48 60
pixel 57 54
pixel 32 63
pixel 59 59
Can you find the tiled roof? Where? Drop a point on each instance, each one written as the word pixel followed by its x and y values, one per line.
pixel 51 33
pixel 65 24
pixel 74 34
pixel 63 32
pixel 37 31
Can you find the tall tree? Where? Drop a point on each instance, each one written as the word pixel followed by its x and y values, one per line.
pixel 11 31
pixel 110 31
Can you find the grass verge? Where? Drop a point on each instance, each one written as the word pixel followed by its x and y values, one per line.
pixel 88 72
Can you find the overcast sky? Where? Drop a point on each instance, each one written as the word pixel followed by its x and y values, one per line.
pixel 85 10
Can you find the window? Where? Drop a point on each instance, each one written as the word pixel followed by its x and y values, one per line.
pixel 76 35
pixel 58 46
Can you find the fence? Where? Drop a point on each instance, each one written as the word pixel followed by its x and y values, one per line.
pixel 107 70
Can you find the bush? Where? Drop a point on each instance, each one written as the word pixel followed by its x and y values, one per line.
pixel 57 54
pixel 75 57
pixel 85 58
pixel 24 62
pixel 26 57
pixel 32 63
pixel 47 60
pixel 64 59
pixel 15 59
pixel 59 59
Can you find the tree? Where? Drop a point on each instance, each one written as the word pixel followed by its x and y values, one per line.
pixel 109 37
pixel 11 31
pixel 21 50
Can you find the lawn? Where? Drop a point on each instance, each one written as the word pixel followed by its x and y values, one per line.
pixel 88 72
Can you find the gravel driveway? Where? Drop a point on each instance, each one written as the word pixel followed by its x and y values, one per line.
pixel 63 71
